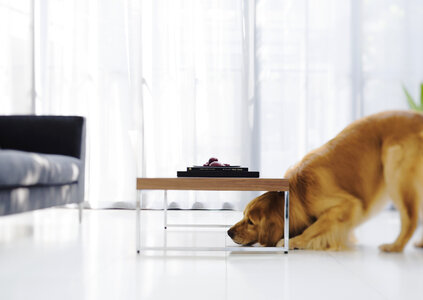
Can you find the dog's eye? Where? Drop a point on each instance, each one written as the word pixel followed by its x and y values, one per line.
pixel 249 222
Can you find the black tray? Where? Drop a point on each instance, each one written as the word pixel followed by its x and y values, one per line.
pixel 218 173
pixel 223 169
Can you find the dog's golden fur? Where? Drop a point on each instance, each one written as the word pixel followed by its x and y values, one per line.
pixel 339 185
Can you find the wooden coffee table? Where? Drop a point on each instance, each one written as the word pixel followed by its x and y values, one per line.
pixel 212 184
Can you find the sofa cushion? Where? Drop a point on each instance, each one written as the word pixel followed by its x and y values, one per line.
pixel 20 168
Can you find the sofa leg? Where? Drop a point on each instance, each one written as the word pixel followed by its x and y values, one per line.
pixel 80 208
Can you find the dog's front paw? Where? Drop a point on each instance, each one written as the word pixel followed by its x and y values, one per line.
pixel 391 248
pixel 293 244
pixel 281 243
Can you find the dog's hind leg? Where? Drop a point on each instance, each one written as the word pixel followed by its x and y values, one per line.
pixel 401 170
pixel 406 206
pixel 332 229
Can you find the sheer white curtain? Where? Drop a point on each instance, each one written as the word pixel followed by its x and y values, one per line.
pixel 196 57
pixel 304 77
pixel 16 57
pixel 192 61
pixel 88 63
pixel 392 47
pixel 166 84
pixel 317 65
pixel 323 63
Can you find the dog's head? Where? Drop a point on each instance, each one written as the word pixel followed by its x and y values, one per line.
pixel 262 221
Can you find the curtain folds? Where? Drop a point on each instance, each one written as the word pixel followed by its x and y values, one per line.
pixel 196 105
pixel 167 84
pixel 16 57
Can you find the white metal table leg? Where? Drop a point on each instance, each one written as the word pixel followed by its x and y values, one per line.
pixel 138 223
pixel 286 223
pixel 80 206
pixel 165 209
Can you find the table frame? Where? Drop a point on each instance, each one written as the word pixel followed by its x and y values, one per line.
pixel 211 184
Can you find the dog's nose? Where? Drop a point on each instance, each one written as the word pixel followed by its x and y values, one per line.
pixel 231 233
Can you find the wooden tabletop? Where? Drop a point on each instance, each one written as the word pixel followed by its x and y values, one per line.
pixel 213 184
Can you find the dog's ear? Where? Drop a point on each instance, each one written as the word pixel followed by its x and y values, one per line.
pixel 269 234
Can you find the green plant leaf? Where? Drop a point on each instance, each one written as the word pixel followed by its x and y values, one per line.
pixel 410 100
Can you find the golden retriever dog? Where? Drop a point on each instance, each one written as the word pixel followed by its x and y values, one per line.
pixel 341 184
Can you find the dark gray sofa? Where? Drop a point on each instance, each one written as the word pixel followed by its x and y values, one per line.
pixel 42 162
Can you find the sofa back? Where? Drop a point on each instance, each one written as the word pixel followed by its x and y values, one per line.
pixel 44 134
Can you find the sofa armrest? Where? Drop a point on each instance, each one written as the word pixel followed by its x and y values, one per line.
pixel 63 135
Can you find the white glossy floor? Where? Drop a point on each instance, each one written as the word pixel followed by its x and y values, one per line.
pixel 47 255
